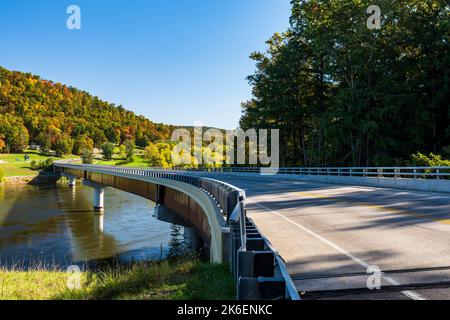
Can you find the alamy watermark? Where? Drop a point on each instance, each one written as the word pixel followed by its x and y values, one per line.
pixel 374 280
pixel 231 147
pixel 74 277
pixel 73 22
pixel 374 21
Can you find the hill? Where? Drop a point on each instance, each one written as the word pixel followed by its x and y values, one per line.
pixel 53 115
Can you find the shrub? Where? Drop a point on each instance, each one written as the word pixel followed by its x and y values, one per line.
pixel 49 162
pixel 41 165
pixel 34 165
pixel 433 160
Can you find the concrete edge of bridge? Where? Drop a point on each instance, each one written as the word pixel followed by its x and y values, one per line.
pixel 426 185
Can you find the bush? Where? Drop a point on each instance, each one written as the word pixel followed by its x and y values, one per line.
pixel 41 165
pixel 34 165
pixel 2 174
pixel 433 160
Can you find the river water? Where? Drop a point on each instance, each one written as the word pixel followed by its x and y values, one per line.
pixel 46 226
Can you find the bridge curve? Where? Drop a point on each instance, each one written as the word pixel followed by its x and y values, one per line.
pixel 332 234
pixel 215 209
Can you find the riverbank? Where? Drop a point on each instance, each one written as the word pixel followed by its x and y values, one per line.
pixel 31 180
pixel 183 280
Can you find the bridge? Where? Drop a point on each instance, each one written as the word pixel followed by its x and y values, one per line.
pixel 338 230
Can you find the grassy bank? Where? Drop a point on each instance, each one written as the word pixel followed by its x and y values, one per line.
pixel 14 165
pixel 187 280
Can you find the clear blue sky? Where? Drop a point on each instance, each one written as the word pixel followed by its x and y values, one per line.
pixel 174 61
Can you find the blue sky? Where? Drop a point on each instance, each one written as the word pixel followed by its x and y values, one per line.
pixel 174 61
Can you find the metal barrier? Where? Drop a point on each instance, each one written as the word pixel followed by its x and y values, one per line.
pixel 258 270
pixel 380 172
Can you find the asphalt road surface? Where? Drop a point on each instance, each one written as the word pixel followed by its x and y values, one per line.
pixel 331 235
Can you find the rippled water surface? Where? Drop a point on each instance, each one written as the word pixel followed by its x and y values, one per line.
pixel 57 226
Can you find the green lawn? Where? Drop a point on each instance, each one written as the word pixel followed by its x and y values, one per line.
pixel 187 280
pixel 14 165
pixel 139 161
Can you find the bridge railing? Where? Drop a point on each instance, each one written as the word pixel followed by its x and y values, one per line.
pixel 375 172
pixel 258 269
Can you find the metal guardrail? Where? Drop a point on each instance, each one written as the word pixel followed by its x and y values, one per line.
pixel 376 172
pixel 258 269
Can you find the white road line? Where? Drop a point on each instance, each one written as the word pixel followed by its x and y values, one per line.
pixel 410 294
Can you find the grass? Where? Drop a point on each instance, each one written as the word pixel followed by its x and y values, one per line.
pixel 139 161
pixel 185 280
pixel 14 165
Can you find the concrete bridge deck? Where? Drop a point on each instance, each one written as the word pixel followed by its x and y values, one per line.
pixel 330 234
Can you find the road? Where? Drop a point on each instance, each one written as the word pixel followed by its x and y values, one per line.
pixel 329 235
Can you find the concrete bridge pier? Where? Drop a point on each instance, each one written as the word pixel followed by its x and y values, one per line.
pixel 72 181
pixel 99 199
pixel 99 195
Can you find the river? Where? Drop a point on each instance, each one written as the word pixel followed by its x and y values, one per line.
pixel 47 226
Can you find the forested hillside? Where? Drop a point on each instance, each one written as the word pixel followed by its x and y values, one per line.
pixel 55 116
pixel 346 95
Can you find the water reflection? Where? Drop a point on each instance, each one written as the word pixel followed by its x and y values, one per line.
pixel 57 225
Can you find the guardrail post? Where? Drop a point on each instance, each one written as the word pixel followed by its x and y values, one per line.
pixel 380 173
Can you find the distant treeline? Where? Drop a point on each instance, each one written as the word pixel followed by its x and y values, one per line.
pixel 346 95
pixel 65 119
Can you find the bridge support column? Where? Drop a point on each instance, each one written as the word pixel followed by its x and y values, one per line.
pixel 72 181
pixel 99 194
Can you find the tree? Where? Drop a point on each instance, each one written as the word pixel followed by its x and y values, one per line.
pixel 108 150
pixel 87 156
pixel 129 147
pixel 81 143
pixel 342 94
pixel 51 111
pixel 122 152
pixel 44 142
pixel 63 146
pixel 2 143
pixel 176 243
pixel 153 156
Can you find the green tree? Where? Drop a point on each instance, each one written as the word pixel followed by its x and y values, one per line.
pixel 129 147
pixel 87 156
pixel 342 94
pixel 122 152
pixel 81 143
pixel 63 146
pixel 152 156
pixel 176 243
pixel 108 150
